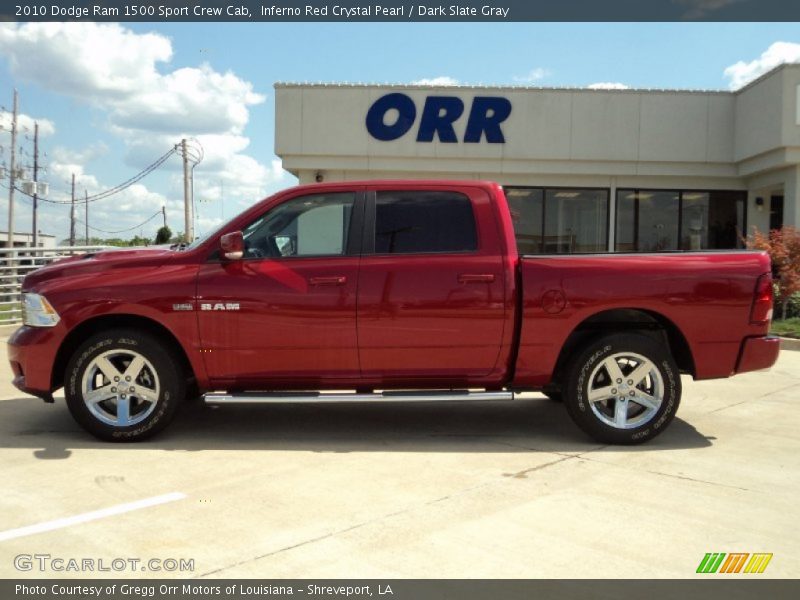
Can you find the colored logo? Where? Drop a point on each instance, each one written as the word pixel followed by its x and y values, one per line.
pixel 734 562
pixel 391 116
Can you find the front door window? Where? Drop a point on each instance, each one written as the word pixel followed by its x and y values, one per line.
pixel 314 225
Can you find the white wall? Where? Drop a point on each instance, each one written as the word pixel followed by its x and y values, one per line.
pixel 565 126
pixel 745 140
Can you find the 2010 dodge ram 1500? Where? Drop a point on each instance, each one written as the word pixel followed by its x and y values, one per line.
pixel 388 286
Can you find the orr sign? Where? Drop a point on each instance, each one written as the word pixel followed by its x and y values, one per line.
pixel 392 116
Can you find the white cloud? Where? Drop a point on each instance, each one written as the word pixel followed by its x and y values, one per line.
pixel 86 58
pixel 149 107
pixel 608 85
pixel 443 80
pixel 25 124
pixel 197 100
pixel 115 69
pixel 64 165
pixel 741 73
pixel 69 155
pixel 532 75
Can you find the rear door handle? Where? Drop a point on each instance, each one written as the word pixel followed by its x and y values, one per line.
pixel 475 278
pixel 334 280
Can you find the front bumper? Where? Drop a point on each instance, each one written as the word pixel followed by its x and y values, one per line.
pixel 758 353
pixel 32 353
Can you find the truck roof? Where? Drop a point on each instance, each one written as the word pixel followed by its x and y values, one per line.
pixel 481 183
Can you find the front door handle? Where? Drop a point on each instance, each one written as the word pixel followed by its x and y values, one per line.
pixel 475 278
pixel 333 280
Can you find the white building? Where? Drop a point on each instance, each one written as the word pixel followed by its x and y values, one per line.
pixel 584 170
pixel 25 240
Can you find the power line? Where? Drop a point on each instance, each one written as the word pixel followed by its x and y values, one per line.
pixel 161 212
pixel 132 180
pixel 104 194
pixel 122 230
pixel 116 189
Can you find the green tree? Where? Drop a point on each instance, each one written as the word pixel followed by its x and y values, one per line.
pixel 163 235
pixel 140 241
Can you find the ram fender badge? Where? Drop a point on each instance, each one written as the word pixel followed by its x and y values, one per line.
pixel 219 306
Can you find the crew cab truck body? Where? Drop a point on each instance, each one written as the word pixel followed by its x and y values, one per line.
pixel 413 289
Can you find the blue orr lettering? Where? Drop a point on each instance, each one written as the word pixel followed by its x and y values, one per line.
pixel 393 115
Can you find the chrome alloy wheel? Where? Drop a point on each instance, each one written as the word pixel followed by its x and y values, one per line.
pixel 120 388
pixel 625 390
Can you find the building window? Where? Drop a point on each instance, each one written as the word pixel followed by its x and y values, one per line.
pixel 559 221
pixel 424 222
pixel 527 214
pixel 775 212
pixel 662 220
pixel 647 221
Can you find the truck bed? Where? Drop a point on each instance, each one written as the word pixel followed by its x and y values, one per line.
pixel 704 298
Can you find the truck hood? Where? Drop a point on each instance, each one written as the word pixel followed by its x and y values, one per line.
pixel 99 262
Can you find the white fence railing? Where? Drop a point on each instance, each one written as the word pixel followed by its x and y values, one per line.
pixel 15 263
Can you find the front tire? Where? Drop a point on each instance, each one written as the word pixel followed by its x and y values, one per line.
pixel 623 389
pixel 123 385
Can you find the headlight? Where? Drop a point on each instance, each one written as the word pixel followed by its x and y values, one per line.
pixel 37 311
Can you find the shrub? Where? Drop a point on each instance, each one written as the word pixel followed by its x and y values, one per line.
pixel 783 247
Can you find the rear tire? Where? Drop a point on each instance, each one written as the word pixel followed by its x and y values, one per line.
pixel 623 389
pixel 123 385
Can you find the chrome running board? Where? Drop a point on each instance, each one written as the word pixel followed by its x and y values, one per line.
pixel 328 397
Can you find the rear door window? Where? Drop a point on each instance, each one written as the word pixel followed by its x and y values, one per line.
pixel 416 222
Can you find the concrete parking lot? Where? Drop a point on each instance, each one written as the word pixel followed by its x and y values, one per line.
pixel 495 490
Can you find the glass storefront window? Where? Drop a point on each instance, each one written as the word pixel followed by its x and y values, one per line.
pixel 711 220
pixel 694 221
pixel 576 220
pixel 659 220
pixel 526 205
pixel 626 221
pixel 557 221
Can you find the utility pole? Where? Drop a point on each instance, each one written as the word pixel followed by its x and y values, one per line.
pixel 35 184
pixel 86 216
pixel 12 177
pixel 187 200
pixel 72 215
pixel 164 214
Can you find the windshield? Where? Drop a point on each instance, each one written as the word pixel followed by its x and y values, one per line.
pixel 202 238
pixel 205 236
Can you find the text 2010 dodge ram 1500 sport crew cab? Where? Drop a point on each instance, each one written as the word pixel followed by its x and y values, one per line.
pixel 413 289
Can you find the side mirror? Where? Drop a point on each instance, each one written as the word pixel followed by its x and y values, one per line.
pixel 232 245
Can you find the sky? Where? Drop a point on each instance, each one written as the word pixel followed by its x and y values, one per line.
pixel 110 99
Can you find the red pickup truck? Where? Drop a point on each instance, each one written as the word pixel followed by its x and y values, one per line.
pixel 386 290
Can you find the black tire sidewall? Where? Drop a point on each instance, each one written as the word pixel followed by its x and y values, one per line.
pixel 169 374
pixel 576 388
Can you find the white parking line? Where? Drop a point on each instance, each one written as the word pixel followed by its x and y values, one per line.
pixel 89 516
